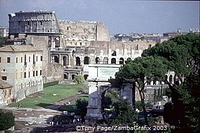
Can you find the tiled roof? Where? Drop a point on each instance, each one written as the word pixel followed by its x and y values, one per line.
pixel 4 85
pixel 11 48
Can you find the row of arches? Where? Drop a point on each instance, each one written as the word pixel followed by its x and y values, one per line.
pixel 105 60
pixel 87 60
pixel 73 75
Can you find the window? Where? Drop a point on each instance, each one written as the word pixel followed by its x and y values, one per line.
pixel 24 74
pixel 21 59
pixel 40 58
pixel 8 59
pixel 0 59
pixel 113 61
pixel 40 72
pixel 36 73
pixel 33 73
pixel 33 59
pixel 113 53
pixel 16 59
pixel 4 77
pixel 36 58
pixel 29 59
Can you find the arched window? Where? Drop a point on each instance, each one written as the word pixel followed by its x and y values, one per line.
pixel 154 82
pixel 113 61
pixel 97 60
pixel 78 62
pixel 86 76
pixel 56 59
pixel 86 60
pixel 121 61
pixel 113 53
pixel 65 76
pixel 73 77
pixel 64 61
pixel 105 60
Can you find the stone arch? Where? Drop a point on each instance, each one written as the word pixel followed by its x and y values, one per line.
pixel 113 61
pixel 73 76
pixel 85 76
pixel 114 53
pixel 64 60
pixel 86 60
pixel 105 60
pixel 121 60
pixel 78 61
pixel 97 60
pixel 65 75
pixel 56 59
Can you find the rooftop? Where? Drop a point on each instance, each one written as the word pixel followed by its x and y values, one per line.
pixel 4 85
pixel 18 48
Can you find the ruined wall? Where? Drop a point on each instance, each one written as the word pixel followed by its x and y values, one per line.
pixel 33 22
pixel 55 72
pixel 84 30
pixel 23 93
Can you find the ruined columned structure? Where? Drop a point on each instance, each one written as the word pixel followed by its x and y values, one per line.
pixel 33 22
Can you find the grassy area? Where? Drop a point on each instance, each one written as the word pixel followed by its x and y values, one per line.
pixel 49 95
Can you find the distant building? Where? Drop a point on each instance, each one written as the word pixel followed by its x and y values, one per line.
pixel 21 67
pixel 3 31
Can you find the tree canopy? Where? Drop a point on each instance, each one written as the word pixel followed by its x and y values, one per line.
pixel 181 55
pixel 6 119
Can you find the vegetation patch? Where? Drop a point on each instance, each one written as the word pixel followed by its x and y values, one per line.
pixel 50 95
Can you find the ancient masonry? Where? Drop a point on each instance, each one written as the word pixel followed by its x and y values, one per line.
pixel 69 48
pixel 74 45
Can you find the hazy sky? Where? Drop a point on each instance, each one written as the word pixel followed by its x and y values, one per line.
pixel 120 16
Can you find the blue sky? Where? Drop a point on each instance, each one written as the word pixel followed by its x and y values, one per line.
pixel 120 16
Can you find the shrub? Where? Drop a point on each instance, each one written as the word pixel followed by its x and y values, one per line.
pixel 6 119
pixel 79 79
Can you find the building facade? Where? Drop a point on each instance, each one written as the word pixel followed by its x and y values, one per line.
pixel 21 67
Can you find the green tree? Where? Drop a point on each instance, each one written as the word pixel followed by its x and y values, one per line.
pixel 183 57
pixel 79 79
pixel 2 41
pixel 124 114
pixel 6 119
pixel 141 71
pixel 81 105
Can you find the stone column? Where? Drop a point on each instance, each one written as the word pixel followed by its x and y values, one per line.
pixel 60 59
pixel 94 103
